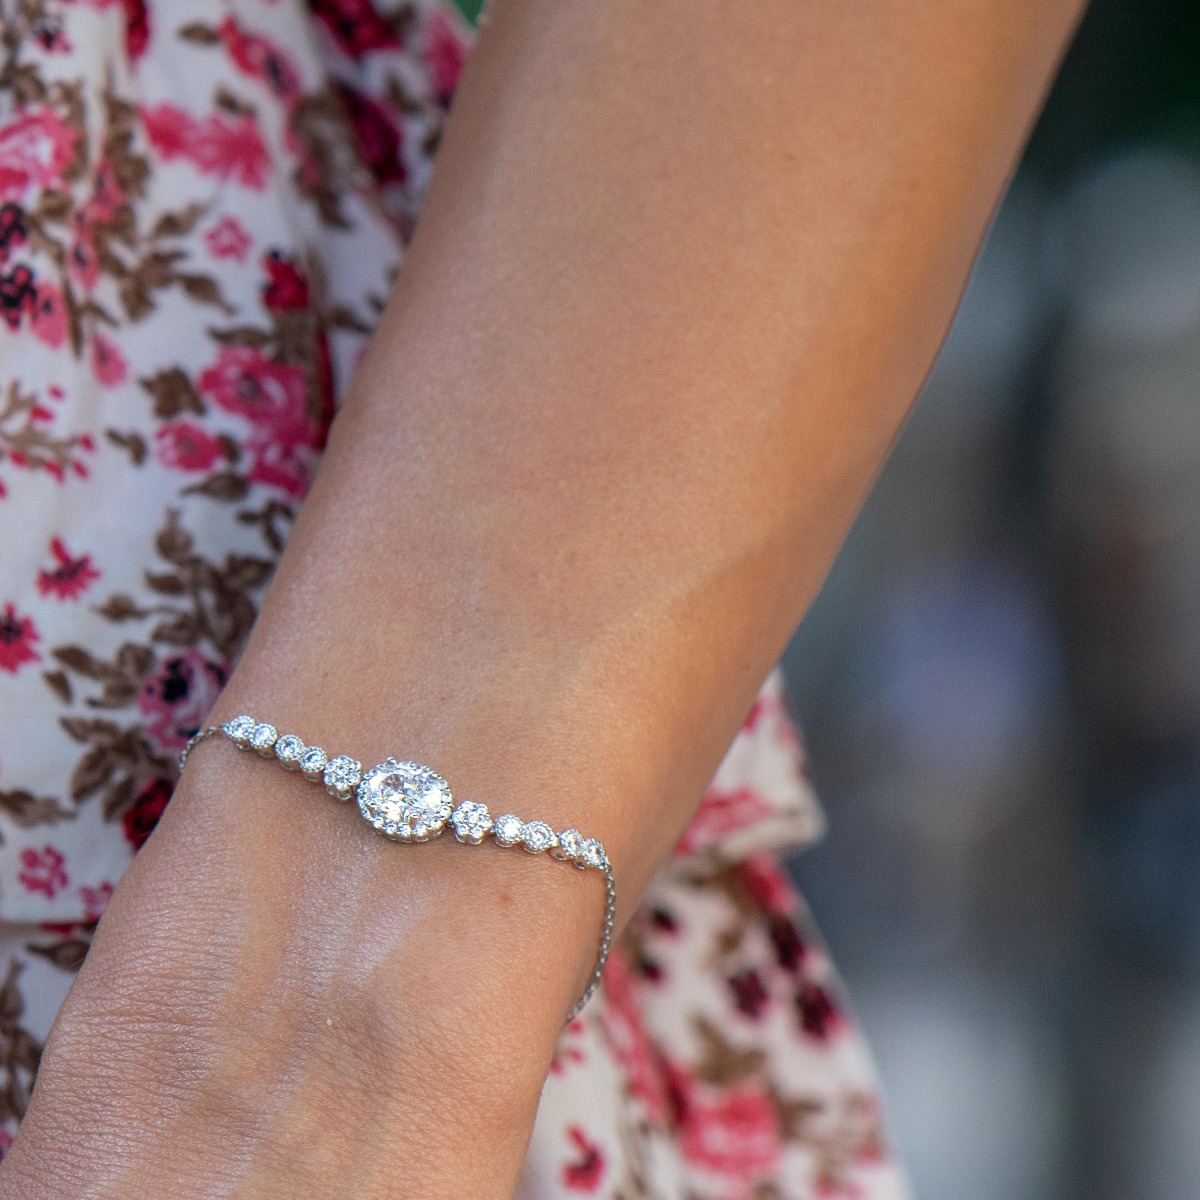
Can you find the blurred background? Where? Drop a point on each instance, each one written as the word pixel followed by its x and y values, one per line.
pixel 1000 683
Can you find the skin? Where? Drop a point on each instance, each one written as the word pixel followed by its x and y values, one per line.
pixel 680 273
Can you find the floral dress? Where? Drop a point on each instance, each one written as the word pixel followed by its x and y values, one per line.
pixel 203 206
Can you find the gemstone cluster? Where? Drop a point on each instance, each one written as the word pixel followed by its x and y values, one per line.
pixel 405 800
pixel 410 802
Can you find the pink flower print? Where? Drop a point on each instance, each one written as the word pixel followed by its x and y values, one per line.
pixel 141 818
pixel 227 147
pixel 789 947
pixel 259 57
pixel 626 1037
pixel 83 261
pixel 565 1051
pixel 357 26
pixel 735 1133
pixel 42 870
pixel 186 446
pixel 51 34
pixel 767 883
pixel 108 363
pixel 283 459
pixel 49 322
pixel 244 381
pixel 70 576
pixel 107 195
pixel 272 396
pixel 445 54
pixel 95 899
pixel 228 239
pixel 18 297
pixel 586 1172
pixel 377 133
pixel 750 995
pixel 13 233
pixel 171 130
pixel 286 289
pixel 18 638
pixel 721 814
pixel 819 1016
pixel 231 148
pixel 137 27
pixel 36 147
pixel 178 696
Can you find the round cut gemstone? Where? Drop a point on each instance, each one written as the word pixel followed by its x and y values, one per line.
pixel 471 821
pixel 341 776
pixel 288 750
pixel 592 853
pixel 239 730
pixel 570 844
pixel 262 738
pixel 507 830
pixel 405 800
pixel 537 836
pixel 312 763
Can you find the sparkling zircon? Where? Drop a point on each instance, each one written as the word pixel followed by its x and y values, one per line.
pixel 570 844
pixel 507 829
pixel 262 738
pixel 239 730
pixel 537 836
pixel 341 776
pixel 312 763
pixel 593 854
pixel 471 821
pixel 289 750
pixel 405 800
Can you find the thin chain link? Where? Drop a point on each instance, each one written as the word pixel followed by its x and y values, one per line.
pixel 606 937
pixel 199 736
pixel 610 888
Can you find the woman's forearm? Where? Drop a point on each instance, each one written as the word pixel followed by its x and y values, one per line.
pixel 680 273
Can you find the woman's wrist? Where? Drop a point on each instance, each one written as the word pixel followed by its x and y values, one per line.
pixel 326 1006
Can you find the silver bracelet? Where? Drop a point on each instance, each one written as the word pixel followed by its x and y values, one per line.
pixel 408 802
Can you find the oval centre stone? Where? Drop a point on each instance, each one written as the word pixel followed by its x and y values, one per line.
pixel 405 800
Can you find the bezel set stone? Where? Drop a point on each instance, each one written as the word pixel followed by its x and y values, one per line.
pixel 410 802
pixel 570 845
pixel 405 801
pixel 507 829
pixel 239 730
pixel 289 749
pixel 538 837
pixel 592 855
pixel 341 776
pixel 312 763
pixel 472 822
pixel 262 739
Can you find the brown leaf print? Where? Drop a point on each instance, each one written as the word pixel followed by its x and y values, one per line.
pixel 67 953
pixel 173 394
pixel 721 1063
pixel 27 810
pixel 133 443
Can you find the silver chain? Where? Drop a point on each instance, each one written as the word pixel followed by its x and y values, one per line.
pixel 606 937
pixel 610 885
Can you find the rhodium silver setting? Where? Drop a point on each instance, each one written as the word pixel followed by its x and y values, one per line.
pixel 472 822
pixel 405 801
pixel 410 802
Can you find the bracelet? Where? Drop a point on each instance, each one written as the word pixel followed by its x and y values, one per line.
pixel 409 802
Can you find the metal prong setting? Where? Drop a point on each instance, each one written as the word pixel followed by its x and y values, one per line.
pixel 409 802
